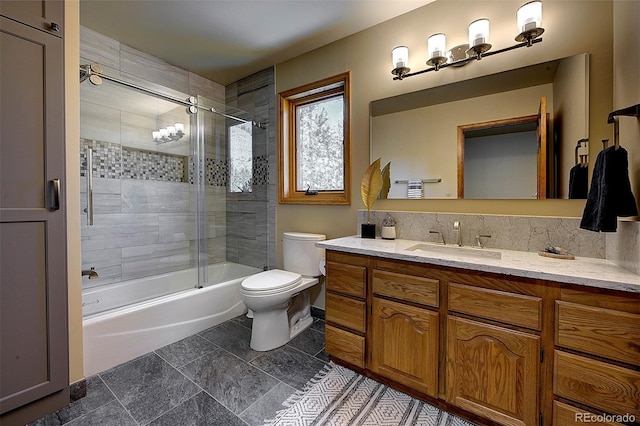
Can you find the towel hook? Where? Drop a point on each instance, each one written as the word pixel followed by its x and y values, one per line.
pixel 632 111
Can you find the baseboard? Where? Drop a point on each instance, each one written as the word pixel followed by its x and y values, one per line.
pixel 78 390
pixel 317 312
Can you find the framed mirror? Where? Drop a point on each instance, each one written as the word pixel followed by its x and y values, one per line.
pixel 439 138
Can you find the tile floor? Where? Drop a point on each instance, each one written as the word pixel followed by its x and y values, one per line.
pixel 210 378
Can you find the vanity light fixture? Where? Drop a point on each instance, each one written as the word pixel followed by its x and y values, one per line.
pixel 528 19
pixel 437 50
pixel 168 134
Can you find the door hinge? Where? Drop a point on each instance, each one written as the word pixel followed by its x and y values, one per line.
pixel 370 309
pixel 541 354
pixel 541 419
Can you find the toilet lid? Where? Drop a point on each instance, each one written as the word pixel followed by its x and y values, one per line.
pixel 275 279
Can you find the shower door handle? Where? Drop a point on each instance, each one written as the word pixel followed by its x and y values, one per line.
pixel 89 173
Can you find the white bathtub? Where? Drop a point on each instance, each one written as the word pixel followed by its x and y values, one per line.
pixel 119 335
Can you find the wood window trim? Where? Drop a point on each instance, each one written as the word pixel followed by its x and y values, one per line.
pixel 287 101
pixel 487 125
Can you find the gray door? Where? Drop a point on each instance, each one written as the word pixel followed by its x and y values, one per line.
pixel 33 289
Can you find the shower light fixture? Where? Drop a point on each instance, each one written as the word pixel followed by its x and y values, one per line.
pixel 168 134
pixel 529 21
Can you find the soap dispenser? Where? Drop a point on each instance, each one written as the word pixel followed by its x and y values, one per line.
pixel 388 228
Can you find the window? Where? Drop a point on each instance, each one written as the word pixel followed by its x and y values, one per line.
pixel 240 161
pixel 315 142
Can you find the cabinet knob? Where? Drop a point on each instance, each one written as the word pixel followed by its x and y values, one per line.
pixel 55 27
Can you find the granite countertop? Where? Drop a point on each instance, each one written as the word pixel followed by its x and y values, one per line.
pixel 585 271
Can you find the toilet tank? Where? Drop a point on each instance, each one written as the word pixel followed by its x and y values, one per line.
pixel 300 254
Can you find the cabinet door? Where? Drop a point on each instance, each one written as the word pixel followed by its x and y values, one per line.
pixel 493 371
pixel 344 345
pixel 405 345
pixel 33 287
pixel 45 15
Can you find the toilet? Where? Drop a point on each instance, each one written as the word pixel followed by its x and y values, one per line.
pixel 279 299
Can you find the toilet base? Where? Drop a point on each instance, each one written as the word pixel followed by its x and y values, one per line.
pixel 276 328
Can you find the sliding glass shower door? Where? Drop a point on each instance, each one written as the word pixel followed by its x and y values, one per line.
pixel 171 185
pixel 138 193
pixel 234 206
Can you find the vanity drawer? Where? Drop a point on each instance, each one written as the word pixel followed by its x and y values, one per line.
pixel 597 384
pixel 510 308
pixel 567 415
pixel 345 311
pixel 604 332
pixel 420 290
pixel 344 345
pixel 347 279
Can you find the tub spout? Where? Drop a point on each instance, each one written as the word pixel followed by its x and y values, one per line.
pixel 90 272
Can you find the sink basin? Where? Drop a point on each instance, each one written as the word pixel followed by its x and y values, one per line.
pixel 470 252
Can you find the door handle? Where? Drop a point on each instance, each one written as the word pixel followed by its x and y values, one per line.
pixel 55 201
pixel 89 173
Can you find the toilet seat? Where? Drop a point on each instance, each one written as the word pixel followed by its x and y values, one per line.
pixel 271 282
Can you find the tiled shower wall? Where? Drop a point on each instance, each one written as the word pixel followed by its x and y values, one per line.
pixel 251 216
pixel 144 206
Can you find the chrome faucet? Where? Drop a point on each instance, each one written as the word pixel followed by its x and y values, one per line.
pixel 479 242
pixel 442 241
pixel 457 230
pixel 90 272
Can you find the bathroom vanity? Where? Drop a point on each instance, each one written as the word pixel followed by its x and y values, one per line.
pixel 496 336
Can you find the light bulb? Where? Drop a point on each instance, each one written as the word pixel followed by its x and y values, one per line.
pixel 400 56
pixel 479 32
pixel 436 45
pixel 529 16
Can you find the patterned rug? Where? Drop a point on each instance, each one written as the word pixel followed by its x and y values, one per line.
pixel 338 396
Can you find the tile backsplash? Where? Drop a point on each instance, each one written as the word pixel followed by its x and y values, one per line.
pixel 623 246
pixel 523 233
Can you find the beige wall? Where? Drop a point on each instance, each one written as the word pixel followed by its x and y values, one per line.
pixel 569 94
pixel 72 130
pixel 368 56
pixel 626 87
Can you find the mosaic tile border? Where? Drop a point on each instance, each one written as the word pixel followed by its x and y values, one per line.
pixel 113 161
pixel 107 158
pixel 260 170
pixel 144 165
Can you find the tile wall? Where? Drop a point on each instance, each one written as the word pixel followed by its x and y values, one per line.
pixel 144 205
pixel 623 246
pixel 524 233
pixel 256 210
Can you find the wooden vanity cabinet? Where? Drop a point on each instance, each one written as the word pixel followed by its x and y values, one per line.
pixel 597 355
pixel 404 331
pixel 493 370
pixel 345 307
pixel 493 348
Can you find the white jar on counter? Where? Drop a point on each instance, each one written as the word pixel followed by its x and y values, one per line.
pixel 388 228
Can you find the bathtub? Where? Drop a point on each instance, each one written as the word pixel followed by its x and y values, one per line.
pixel 114 336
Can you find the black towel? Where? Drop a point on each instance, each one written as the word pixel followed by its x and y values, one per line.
pixel 578 182
pixel 610 195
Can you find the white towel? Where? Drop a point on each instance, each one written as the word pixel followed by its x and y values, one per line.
pixel 414 188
